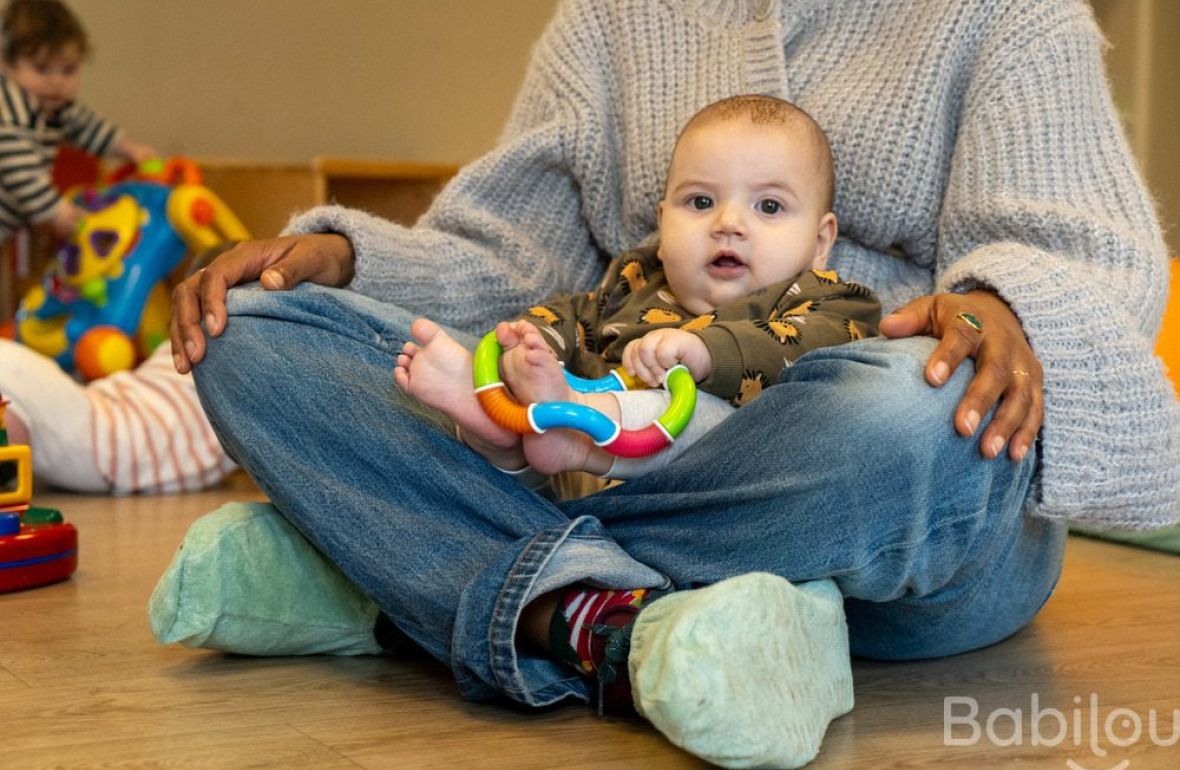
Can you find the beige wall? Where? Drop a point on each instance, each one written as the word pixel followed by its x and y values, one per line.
pixel 433 80
pixel 429 80
pixel 1144 65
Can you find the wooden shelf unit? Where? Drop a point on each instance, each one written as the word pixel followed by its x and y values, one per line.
pixel 265 194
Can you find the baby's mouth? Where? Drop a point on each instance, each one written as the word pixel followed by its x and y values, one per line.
pixel 727 260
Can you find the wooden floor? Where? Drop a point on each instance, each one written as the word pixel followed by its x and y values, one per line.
pixel 83 684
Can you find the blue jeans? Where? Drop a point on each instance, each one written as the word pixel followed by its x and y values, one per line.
pixel 848 469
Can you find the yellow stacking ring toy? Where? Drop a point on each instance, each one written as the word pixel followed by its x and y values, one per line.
pixel 511 415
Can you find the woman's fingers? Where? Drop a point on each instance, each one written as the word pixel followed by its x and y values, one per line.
pixel 1017 419
pixel 1027 433
pixel 198 302
pixel 1008 378
pixel 200 298
pixel 960 336
pixel 323 258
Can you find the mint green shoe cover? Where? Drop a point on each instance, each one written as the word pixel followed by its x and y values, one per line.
pixel 747 672
pixel 245 581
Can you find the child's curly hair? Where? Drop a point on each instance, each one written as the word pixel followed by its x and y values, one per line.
pixel 32 26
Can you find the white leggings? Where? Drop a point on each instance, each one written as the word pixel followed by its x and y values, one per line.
pixel 137 431
pixel 640 408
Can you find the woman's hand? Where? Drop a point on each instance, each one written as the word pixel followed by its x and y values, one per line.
pixel 278 263
pixel 1006 369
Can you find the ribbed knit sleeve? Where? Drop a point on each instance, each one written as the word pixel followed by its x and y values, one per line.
pixel 508 230
pixel 1044 207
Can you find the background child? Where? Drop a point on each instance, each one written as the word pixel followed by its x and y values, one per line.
pixel 138 431
pixel 135 431
pixel 735 290
pixel 44 46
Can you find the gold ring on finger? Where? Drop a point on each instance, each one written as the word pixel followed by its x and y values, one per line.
pixel 1021 373
pixel 970 320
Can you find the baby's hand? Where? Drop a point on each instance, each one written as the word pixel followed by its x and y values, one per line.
pixel 65 220
pixel 651 356
pixel 136 152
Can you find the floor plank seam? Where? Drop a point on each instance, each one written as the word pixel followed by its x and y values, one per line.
pixel 326 746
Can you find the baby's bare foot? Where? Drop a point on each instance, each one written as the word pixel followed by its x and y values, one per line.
pixel 437 371
pixel 529 366
pixel 534 375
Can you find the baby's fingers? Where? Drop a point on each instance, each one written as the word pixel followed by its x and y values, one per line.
pixel 638 361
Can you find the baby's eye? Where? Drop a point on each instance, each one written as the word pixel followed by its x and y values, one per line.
pixel 700 202
pixel 769 206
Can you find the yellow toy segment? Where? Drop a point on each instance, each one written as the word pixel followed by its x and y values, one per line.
pixel 201 219
pixel 104 237
pixel 153 324
pixel 23 492
pixel 47 336
pixel 34 298
pixel 630 381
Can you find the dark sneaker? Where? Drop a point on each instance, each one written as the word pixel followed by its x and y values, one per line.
pixel 611 644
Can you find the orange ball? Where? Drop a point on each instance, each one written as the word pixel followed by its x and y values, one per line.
pixel 103 350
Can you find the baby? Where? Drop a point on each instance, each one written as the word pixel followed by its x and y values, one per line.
pixel 44 46
pixel 735 290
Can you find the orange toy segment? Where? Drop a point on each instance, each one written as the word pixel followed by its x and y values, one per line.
pixel 504 410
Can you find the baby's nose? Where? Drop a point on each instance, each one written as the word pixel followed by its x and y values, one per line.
pixel 729 219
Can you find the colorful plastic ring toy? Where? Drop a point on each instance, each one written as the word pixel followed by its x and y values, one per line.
pixel 511 415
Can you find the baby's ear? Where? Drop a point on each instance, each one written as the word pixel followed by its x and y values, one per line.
pixel 659 223
pixel 824 240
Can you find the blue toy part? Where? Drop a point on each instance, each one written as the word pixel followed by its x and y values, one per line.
pixel 566 414
pixel 106 285
pixel 612 382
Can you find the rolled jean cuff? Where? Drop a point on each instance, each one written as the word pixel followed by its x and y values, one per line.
pixel 580 552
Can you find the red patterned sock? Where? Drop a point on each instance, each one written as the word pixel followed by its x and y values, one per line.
pixel 591 631
pixel 584 616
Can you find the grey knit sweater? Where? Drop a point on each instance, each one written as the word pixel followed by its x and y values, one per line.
pixel 975 144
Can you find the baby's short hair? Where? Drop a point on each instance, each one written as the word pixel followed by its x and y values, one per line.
pixel 769 110
pixel 30 26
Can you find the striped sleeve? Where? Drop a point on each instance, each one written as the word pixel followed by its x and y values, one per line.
pixel 25 177
pixel 25 172
pixel 86 129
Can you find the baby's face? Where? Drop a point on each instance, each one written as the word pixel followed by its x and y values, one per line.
pixel 742 210
pixel 51 76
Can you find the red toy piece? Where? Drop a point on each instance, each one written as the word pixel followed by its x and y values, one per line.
pixel 36 546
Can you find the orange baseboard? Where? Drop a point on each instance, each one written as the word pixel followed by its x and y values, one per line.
pixel 1168 347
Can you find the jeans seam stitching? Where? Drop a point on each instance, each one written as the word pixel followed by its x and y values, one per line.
pixel 503 666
